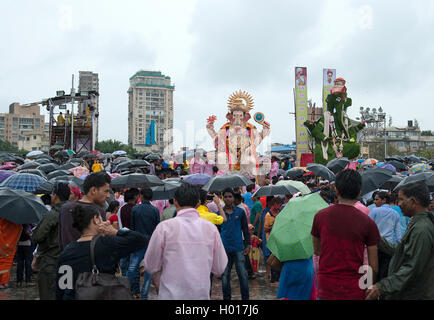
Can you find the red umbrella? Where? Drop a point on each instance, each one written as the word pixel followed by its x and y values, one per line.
pixel 94 151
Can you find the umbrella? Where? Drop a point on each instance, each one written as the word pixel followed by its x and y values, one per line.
pixel 4 174
pixel 412 158
pixel 281 172
pixel 294 173
pixel 419 167
pixel 373 178
pixel 165 192
pixel 219 183
pixel 392 182
pixel 371 161
pixel 62 153
pixel 67 166
pixel 83 177
pixel 21 207
pixel 79 171
pixel 114 175
pixel 29 165
pixel 7 157
pixel 135 163
pixel 8 166
pixel 321 171
pixel 35 171
pixel 290 238
pixel 425 177
pixel 119 153
pixel 388 167
pixel 44 156
pixel 34 153
pixel 337 164
pixel 120 159
pixel 59 173
pixel 75 160
pixel 49 167
pixel 398 165
pixel 23 181
pixel 197 179
pixel 395 158
pixel 43 161
pixel 136 180
pixel 296 184
pixel 71 179
pixel 152 156
pixel 273 190
pixel 81 154
pixel 106 156
pixel 91 155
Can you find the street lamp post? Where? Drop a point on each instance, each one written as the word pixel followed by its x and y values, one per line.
pixel 374 121
pixel 72 114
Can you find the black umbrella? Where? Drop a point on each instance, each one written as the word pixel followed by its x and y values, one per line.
pixel 75 160
pixel 47 187
pixel 412 158
pixel 153 156
pixel 338 164
pixel 136 180
pixel 43 161
pixel 396 158
pixel 219 183
pixel 49 167
pixel 425 177
pixel 28 165
pixel 294 173
pixel 62 154
pixel 373 178
pixel 35 171
pixel 43 156
pixel 68 166
pixel 91 155
pixel 321 171
pixel 132 164
pixel 120 160
pixel 81 154
pixel 165 192
pixel 392 182
pixel 58 173
pixel 273 190
pixel 21 207
pixel 400 166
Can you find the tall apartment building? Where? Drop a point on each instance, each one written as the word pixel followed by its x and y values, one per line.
pixel 88 81
pixel 24 126
pixel 150 112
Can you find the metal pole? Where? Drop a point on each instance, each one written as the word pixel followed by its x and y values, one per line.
pixel 72 115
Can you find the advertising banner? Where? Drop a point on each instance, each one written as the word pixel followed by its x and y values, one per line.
pixel 300 99
pixel 329 76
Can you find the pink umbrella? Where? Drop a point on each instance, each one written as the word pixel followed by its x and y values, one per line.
pixel 8 166
pixel 79 171
pixel 114 175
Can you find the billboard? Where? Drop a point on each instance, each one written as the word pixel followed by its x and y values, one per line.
pixel 328 79
pixel 300 99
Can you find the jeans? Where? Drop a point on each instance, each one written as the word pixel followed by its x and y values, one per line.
pixel 133 274
pixel 123 264
pixel 24 256
pixel 238 258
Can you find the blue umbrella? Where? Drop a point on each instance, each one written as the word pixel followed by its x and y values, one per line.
pixel 4 174
pixel 23 181
pixel 197 178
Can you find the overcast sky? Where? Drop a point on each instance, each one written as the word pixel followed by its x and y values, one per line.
pixel 384 49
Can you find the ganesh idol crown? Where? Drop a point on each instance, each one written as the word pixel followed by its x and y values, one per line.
pixel 236 141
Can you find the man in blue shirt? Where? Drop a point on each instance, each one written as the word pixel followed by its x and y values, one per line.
pixel 389 224
pixel 248 196
pixel 232 232
pixel 144 219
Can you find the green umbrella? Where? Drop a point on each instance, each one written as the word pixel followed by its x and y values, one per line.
pixel 296 184
pixel 290 238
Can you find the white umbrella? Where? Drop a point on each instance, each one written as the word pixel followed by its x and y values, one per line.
pixel 119 153
pixel 34 153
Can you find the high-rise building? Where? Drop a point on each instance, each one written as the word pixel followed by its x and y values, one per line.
pixel 150 112
pixel 88 81
pixel 24 127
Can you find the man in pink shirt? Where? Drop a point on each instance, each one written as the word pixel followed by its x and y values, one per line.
pixel 196 165
pixel 187 249
pixel 208 167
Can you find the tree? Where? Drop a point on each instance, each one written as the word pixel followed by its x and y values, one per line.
pixel 8 147
pixel 110 146
pixel 426 133
pixel 376 150
pixel 427 153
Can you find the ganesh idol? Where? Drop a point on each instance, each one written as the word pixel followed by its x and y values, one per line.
pixel 236 141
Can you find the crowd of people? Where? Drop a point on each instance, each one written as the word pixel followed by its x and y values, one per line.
pixel 181 245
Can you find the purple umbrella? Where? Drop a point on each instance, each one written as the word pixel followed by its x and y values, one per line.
pixel 4 174
pixel 389 167
pixel 197 178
